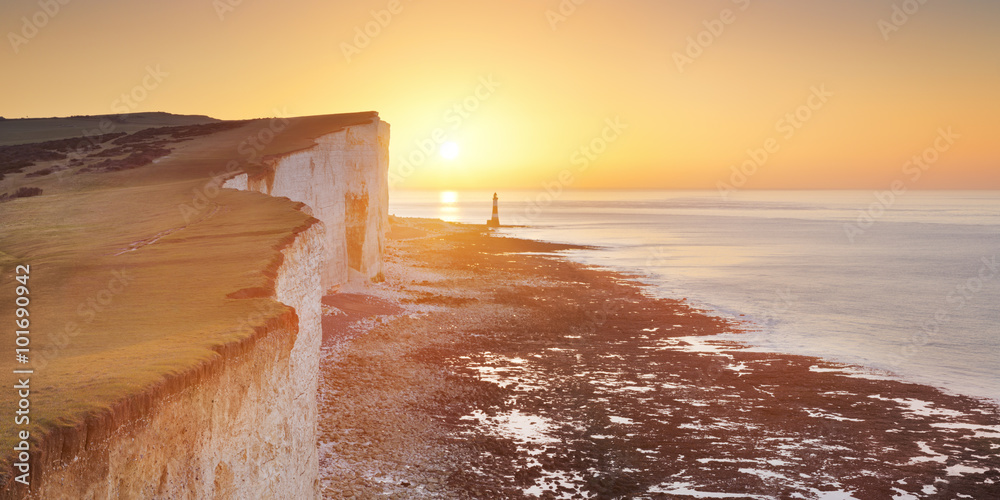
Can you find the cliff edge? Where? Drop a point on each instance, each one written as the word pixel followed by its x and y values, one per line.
pixel 342 180
pixel 174 323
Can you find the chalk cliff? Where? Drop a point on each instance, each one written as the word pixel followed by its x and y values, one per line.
pixel 343 181
pixel 243 428
pixel 242 422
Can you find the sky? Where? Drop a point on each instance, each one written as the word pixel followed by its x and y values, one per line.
pixel 557 94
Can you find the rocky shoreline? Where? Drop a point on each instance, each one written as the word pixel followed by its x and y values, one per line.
pixel 488 367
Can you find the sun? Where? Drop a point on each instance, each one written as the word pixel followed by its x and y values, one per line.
pixel 449 197
pixel 449 150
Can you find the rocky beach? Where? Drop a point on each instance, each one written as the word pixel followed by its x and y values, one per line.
pixel 492 367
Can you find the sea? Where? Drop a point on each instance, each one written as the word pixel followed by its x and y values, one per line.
pixel 904 284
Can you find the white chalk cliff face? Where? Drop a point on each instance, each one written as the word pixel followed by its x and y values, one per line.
pixel 246 429
pixel 245 425
pixel 344 183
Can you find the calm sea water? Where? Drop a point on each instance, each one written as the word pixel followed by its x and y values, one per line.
pixel 913 289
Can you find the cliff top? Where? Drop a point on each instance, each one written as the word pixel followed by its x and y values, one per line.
pixel 29 130
pixel 133 250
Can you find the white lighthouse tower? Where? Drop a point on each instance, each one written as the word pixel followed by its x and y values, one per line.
pixel 495 221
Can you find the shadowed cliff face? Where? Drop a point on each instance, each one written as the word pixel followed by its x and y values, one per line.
pixel 357 222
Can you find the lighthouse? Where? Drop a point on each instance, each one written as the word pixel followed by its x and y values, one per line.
pixel 495 221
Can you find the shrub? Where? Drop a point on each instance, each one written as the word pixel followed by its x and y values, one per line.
pixel 27 192
pixel 44 171
pixel 24 192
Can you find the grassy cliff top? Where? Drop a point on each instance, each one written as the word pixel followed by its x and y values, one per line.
pixel 133 251
pixel 29 130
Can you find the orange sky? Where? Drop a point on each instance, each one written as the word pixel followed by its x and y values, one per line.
pixel 533 87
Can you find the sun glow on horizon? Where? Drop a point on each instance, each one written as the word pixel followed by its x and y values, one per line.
pixel 449 197
pixel 448 210
pixel 449 150
pixel 683 103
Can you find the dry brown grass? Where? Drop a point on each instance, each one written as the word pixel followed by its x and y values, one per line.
pixel 98 346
